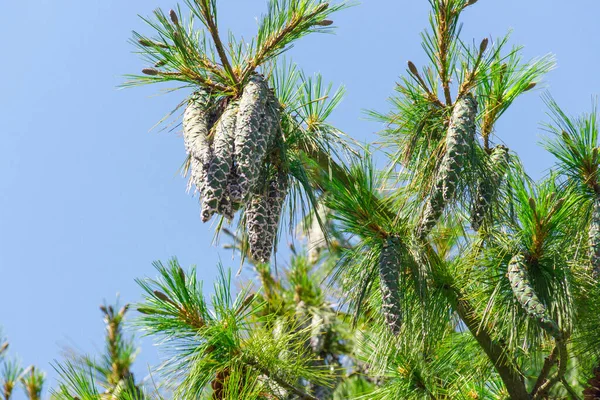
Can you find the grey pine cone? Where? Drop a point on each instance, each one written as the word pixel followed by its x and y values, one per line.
pixel 459 139
pixel 215 197
pixel 488 186
pixel 250 140
pixel 196 128
pixel 262 217
pixel 389 276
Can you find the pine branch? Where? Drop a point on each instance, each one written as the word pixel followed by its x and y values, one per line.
pixel 432 97
pixel 549 362
pixel 279 380
pixel 285 22
pixel 33 381
pixel 508 371
pixel 497 354
pixel 208 17
pixel 543 390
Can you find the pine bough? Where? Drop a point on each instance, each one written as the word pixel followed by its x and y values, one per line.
pixel 230 163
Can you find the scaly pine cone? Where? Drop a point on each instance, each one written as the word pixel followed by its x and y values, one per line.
pixel 317 242
pixel 488 186
pixel 460 137
pixel 527 298
pixel 389 275
pixel 216 198
pixel 262 217
pixel 196 128
pixel 250 139
pixel 592 392
pixel 594 238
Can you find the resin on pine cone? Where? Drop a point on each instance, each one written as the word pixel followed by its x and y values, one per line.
pixel 389 276
pixel 215 197
pixel 250 139
pixel 263 212
pixel 459 140
pixel 196 130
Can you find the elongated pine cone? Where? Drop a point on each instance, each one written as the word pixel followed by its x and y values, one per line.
pixel 196 128
pixel 216 196
pixel 527 298
pixel 250 140
pixel 592 392
pixel 594 238
pixel 262 217
pixel 389 275
pixel 488 186
pixel 459 140
pixel 317 242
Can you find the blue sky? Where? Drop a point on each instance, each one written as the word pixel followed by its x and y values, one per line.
pixel 89 197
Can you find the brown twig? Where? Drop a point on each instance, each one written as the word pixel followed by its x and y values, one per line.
pixel 272 42
pixel 549 362
pixel 562 369
pixel 211 24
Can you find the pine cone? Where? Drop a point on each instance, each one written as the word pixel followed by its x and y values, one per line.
pixel 488 186
pixel 216 197
pixel 262 217
pixel 594 238
pixel 525 295
pixel 316 237
pixel 196 127
pixel 250 138
pixel 592 392
pixel 460 137
pixel 389 275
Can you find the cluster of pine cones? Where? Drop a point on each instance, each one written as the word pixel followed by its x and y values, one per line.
pixel 230 143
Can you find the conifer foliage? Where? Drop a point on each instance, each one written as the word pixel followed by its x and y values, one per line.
pixel 450 274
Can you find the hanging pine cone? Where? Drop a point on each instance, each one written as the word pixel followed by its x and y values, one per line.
pixel 594 238
pixel 488 186
pixel 262 217
pixel 389 275
pixel 215 197
pixel 196 128
pixel 592 392
pixel 460 137
pixel 318 328
pixel 527 298
pixel 250 138
pixel 317 242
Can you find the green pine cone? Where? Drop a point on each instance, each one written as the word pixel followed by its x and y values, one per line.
pixel 527 298
pixel 215 196
pixel 196 128
pixel 389 275
pixel 594 238
pixel 250 139
pixel 262 217
pixel 459 139
pixel 488 186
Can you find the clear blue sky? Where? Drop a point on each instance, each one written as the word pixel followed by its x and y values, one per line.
pixel 89 197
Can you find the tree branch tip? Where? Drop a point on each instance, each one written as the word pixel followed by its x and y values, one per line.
pixel 150 71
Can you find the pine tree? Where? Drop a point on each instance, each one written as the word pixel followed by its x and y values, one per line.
pixel 451 274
